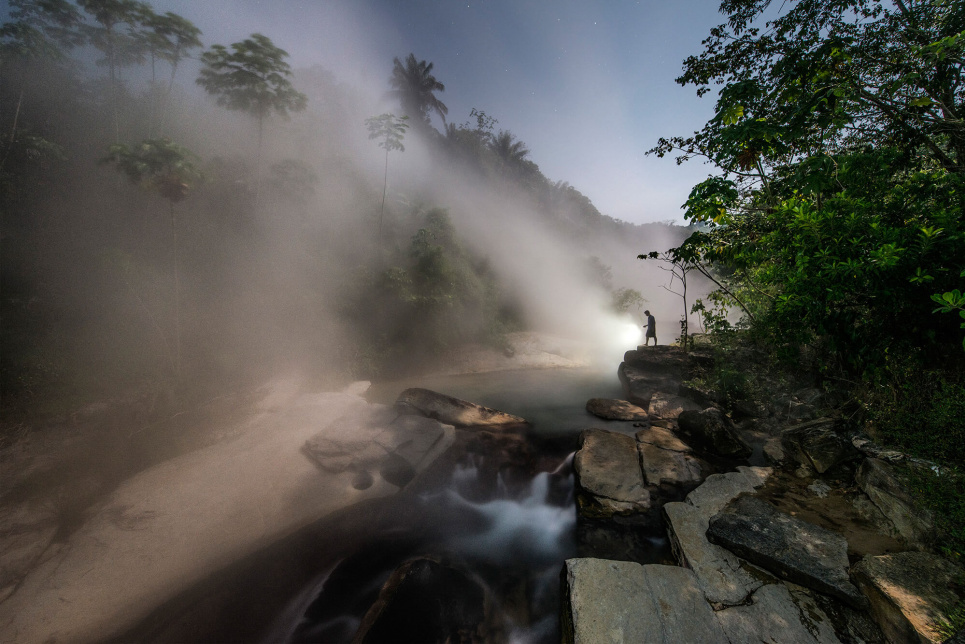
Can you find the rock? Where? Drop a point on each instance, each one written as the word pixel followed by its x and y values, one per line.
pixel 362 480
pixel 412 438
pixel 702 396
pixel 712 431
pixel 623 601
pixel 748 409
pixel 608 476
pixel 668 406
pixel 426 601
pixel 911 593
pixel 773 450
pixel 773 615
pixel 719 489
pixel 640 384
pixel 914 523
pixel 871 450
pixel 719 572
pixel 663 438
pixel 795 550
pixel 451 411
pixel 612 409
pixel 666 459
pixel 815 444
pixel 396 470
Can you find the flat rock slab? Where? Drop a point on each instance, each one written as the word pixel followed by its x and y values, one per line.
pixel 174 524
pixel 614 409
pixel 670 406
pixel 772 615
pixel 795 550
pixel 608 476
pixel 719 572
pixel 911 593
pixel 623 601
pixel 668 467
pixel 451 411
pixel 663 438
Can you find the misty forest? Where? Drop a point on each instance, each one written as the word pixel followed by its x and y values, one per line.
pixel 187 225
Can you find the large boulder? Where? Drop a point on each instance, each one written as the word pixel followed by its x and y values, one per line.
pixel 817 445
pixel 795 550
pixel 911 593
pixel 640 384
pixel 667 460
pixel 720 574
pixel 669 406
pixel 912 521
pixel 623 601
pixel 451 411
pixel 613 409
pixel 712 431
pixel 609 480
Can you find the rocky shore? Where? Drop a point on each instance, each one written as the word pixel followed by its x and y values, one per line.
pixel 809 537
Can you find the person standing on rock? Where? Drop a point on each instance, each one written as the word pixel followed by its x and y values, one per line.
pixel 651 329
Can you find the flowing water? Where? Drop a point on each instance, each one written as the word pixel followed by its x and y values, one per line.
pixel 506 532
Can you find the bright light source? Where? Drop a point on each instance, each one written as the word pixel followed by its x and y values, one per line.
pixel 630 335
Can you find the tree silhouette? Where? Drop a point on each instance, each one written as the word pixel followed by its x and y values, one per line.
pixel 165 168
pixel 253 77
pixel 120 47
pixel 389 130
pixel 512 152
pixel 415 86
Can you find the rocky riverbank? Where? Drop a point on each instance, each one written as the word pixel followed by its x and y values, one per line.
pixel 810 537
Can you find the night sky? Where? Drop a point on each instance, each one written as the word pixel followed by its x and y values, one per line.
pixel 587 85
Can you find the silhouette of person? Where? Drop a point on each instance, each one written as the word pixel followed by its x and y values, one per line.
pixel 651 329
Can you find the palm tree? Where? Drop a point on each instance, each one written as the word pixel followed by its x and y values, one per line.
pixel 414 85
pixel 511 152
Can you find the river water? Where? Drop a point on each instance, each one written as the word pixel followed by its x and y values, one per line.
pixel 508 533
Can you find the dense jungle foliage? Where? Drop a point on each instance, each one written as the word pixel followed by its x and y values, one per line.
pixel 157 246
pixel 836 224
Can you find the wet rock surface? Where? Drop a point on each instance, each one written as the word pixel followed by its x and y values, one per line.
pixel 622 601
pixel 711 430
pixel 670 406
pixel 608 476
pixel 786 546
pixel 426 600
pixel 451 411
pixel 614 409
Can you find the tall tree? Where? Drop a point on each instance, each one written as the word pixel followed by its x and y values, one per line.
pixel 414 85
pixel 389 131
pixel 170 38
pixel 114 35
pixel 252 77
pixel 169 170
pixel 40 31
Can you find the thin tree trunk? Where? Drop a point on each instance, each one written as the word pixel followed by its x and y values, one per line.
pixel 177 296
pixel 385 182
pixel 16 118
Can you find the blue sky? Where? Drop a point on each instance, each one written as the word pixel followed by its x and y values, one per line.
pixel 587 86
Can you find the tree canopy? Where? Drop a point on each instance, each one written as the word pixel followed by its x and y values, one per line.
pixel 414 85
pixel 838 133
pixel 252 77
